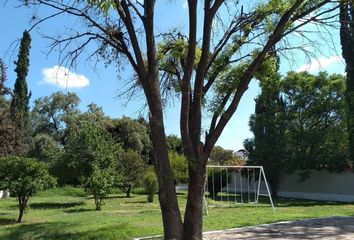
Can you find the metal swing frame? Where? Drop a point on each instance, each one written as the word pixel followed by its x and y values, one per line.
pixel 256 189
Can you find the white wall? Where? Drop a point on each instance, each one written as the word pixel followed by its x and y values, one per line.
pixel 4 194
pixel 323 185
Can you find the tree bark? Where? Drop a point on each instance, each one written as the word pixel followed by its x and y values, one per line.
pixel 22 201
pixel 167 193
pixel 171 216
pixel 128 192
pixel 193 218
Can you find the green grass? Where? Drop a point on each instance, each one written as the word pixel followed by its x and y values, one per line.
pixel 67 213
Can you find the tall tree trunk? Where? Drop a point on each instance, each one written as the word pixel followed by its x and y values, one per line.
pixel 171 216
pixel 193 218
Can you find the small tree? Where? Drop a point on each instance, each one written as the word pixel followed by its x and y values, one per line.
pixel 99 184
pixel 151 185
pixel 130 170
pixel 24 177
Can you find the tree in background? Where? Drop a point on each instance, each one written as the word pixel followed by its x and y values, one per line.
pixel 88 147
pixel 7 133
pixel 179 165
pixel 215 70
pixel 150 184
pixel 24 177
pixel 3 78
pixel 19 107
pixel 100 184
pixel 267 148
pixel 221 156
pixel 346 18
pixel 299 125
pixel 44 148
pixel 131 134
pixel 130 170
pixel 55 114
pixel 174 144
pixel 315 114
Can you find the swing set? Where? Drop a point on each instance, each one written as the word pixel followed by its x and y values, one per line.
pixel 236 185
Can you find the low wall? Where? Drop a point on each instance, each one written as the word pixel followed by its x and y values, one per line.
pixel 322 185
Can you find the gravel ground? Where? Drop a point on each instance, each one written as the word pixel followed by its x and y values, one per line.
pixel 320 228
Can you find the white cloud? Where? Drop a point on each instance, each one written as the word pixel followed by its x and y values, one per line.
pixel 63 78
pixel 320 64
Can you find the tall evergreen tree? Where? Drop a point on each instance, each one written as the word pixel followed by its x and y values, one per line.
pixel 19 104
pixel 268 125
pixel 347 41
pixel 19 109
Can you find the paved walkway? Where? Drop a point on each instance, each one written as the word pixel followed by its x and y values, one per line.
pixel 341 228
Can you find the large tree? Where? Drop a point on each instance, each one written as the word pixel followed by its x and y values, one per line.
pixel 316 133
pixel 55 114
pixel 20 98
pixel 19 107
pixel 267 148
pixel 347 41
pixel 216 62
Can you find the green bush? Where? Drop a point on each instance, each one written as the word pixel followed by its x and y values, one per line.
pixel 151 185
pixel 179 165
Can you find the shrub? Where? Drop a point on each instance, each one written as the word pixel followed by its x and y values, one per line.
pixel 179 167
pixel 151 185
pixel 24 177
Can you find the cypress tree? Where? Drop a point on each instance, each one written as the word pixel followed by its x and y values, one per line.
pixel 19 107
pixel 19 104
pixel 347 42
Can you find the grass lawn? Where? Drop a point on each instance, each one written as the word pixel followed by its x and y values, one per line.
pixel 68 214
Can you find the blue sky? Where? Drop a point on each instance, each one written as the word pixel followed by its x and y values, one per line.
pixel 101 85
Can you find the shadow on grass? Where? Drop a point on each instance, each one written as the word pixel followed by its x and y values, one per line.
pixel 51 205
pixel 114 197
pixel 278 202
pixel 79 210
pixel 284 202
pixel 59 231
pixel 7 221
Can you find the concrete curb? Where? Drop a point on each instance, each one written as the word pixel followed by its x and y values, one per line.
pixel 250 227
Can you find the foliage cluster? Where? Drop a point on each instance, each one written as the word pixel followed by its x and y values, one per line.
pixel 299 125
